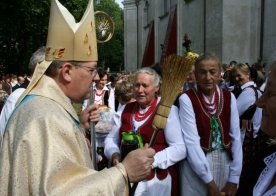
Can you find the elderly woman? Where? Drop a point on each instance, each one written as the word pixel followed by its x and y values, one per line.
pixel 137 117
pixel 266 184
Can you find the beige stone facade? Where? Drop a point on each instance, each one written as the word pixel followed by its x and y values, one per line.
pixel 235 30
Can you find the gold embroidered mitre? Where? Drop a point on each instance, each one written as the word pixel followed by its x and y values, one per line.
pixel 68 40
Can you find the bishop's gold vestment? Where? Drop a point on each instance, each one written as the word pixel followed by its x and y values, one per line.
pixel 45 153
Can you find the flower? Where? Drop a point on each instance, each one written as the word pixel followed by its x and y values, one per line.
pixel 191 55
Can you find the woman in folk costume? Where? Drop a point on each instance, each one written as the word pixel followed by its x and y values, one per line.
pixel 102 94
pixel 103 97
pixel 136 118
pixel 210 123
pixel 250 119
pixel 246 98
pixel 44 152
pixel 266 184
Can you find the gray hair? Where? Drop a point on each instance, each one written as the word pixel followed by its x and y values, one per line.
pixel 207 56
pixel 150 71
pixel 37 57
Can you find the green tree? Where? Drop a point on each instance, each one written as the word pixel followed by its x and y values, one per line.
pixel 23 29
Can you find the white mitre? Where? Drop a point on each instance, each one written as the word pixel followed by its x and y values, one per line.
pixel 67 40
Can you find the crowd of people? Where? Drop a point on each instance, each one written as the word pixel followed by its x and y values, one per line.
pixel 219 139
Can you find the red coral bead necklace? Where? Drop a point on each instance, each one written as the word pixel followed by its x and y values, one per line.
pixel 139 116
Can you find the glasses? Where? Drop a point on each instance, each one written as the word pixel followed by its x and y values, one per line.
pixel 92 71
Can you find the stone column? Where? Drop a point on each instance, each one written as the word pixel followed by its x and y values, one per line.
pixel 130 35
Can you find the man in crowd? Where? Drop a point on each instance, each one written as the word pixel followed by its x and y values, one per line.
pixel 210 122
pixel 44 152
pixel 37 57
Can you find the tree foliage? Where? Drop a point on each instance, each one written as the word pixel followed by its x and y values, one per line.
pixel 23 29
